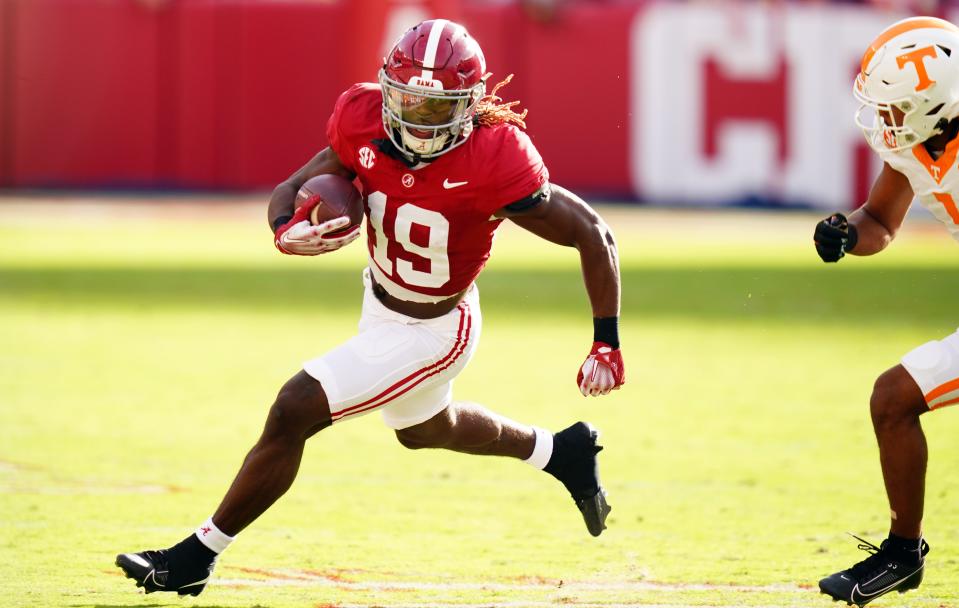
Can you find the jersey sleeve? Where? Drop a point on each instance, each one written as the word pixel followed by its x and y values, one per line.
pixel 899 162
pixel 338 126
pixel 519 171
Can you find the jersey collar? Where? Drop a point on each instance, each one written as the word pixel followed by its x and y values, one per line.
pixel 939 167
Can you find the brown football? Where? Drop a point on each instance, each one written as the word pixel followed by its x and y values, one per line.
pixel 339 197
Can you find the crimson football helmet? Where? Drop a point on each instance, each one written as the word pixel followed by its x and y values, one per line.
pixel 431 81
pixel 908 86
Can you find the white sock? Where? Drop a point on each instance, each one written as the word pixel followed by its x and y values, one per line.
pixel 213 537
pixel 542 450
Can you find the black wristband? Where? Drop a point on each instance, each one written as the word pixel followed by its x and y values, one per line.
pixel 606 329
pixel 852 238
pixel 280 221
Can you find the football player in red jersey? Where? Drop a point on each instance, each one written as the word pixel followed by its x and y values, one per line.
pixel 442 164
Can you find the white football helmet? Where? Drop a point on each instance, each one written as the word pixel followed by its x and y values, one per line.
pixel 909 83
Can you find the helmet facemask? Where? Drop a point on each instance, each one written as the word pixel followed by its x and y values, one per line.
pixel 891 125
pixel 425 121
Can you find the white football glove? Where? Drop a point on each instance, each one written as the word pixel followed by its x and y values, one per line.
pixel 303 238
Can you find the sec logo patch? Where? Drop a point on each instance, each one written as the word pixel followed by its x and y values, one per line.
pixel 367 157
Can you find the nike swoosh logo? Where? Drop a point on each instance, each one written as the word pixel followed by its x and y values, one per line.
pixel 448 184
pixel 857 595
pixel 856 591
pixel 151 577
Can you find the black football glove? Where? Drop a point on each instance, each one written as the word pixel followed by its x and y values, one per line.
pixel 834 236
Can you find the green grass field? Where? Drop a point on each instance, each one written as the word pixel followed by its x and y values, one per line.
pixel 141 346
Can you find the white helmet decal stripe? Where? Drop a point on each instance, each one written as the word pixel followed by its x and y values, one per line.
pixel 433 43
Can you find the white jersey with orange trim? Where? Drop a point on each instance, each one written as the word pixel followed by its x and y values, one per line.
pixel 935 182
pixel 934 365
pixel 908 85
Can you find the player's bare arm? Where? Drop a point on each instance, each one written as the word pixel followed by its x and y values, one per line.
pixel 563 218
pixel 293 234
pixel 869 229
pixel 878 221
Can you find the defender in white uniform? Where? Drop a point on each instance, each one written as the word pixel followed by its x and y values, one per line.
pixel 908 88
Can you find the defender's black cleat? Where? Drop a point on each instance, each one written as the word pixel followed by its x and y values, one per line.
pixel 884 571
pixel 184 568
pixel 574 463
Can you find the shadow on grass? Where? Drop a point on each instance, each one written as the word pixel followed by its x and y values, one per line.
pixel 851 294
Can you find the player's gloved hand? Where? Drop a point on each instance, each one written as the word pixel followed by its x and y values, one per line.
pixel 834 236
pixel 298 237
pixel 302 238
pixel 602 371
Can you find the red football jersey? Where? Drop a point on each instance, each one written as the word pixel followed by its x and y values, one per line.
pixel 430 229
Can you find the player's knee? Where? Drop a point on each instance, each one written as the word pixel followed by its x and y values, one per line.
pixel 411 441
pixel 417 439
pixel 301 408
pixel 894 399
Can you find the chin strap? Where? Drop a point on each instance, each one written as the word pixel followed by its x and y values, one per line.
pixel 387 147
pixel 950 126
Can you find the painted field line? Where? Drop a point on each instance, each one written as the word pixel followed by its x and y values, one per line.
pixel 284 578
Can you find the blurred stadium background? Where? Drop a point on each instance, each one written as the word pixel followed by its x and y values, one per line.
pixel 672 103
pixel 146 321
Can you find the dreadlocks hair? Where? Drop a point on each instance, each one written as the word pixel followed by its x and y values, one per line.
pixel 490 112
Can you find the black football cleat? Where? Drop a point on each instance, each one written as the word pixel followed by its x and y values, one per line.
pixel 877 575
pixel 573 462
pixel 184 568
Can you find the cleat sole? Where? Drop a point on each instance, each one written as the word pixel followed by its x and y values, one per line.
pixel 595 510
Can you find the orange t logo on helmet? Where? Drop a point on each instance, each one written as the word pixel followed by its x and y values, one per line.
pixel 915 57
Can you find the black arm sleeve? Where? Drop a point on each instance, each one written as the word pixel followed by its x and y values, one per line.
pixel 534 199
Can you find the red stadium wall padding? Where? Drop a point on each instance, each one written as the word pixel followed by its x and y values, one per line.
pixel 195 112
pixel 289 75
pixel 255 85
pixel 212 94
pixel 579 121
pixel 85 98
pixel 7 41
